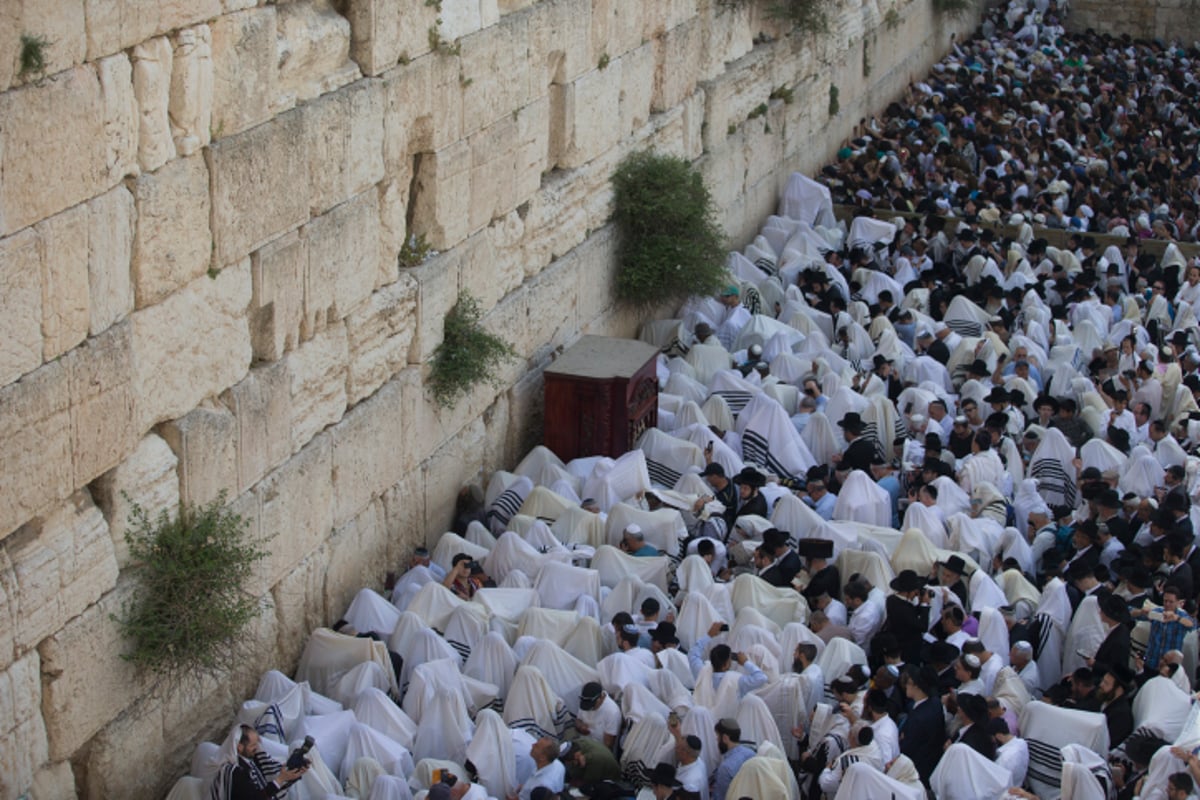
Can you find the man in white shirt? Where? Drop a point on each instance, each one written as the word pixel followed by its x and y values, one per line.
pixel 1021 658
pixel 864 750
pixel 549 771
pixel 835 610
pixel 690 770
pixel 865 617
pixel 887 735
pixel 599 715
pixel 1012 752
pixel 804 661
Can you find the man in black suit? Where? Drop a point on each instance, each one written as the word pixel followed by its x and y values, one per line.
pixel 930 345
pixel 1175 557
pixel 785 563
pixel 908 613
pixel 1114 649
pixel 1115 703
pixel 1087 551
pixel 750 501
pixel 824 577
pixel 972 710
pixel 923 732
pixel 861 450
pixel 950 576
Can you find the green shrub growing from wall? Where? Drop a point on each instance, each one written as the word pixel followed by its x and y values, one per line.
pixel 191 602
pixel 468 354
pixel 671 243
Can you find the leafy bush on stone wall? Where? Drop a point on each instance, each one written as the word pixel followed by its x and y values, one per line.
pixel 468 355
pixel 671 243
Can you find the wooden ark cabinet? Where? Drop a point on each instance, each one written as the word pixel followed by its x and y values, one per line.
pixel 601 395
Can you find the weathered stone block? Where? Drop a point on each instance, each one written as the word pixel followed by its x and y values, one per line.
pixel 406 92
pixel 172 244
pixel 244 70
pixel 259 186
pixel 559 43
pixel 343 259
pixel 77 138
pixel 357 558
pixel 299 602
pixel 678 63
pixel 62 563
pixel 532 156
pixel 495 73
pixel 85 682
pixel 61 24
pixel 53 781
pixel 637 88
pixel 190 108
pixel 393 228
pixel 458 18
pixel 64 280
pixel 727 37
pixel 114 25
pixel 113 747
pixel 443 195
pixel 110 252
pixel 295 512
pixel 379 336
pixel 457 462
pixel 313 41
pixel 404 518
pixel 21 343
pixel 261 404
pixel 586 116
pixel 152 89
pixel 149 478
pixel 551 300
pixel 103 422
pixel 35 444
pixel 344 133
pixel 205 442
pixel 617 27
pixel 22 732
pixel 444 125
pixel 437 291
pixel 491 177
pixel 317 371
pixel 594 292
pixel 384 32
pixel 193 345
pixel 366 459
pixel 277 295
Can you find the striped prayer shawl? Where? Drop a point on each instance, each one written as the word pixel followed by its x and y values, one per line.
pixel 1045 762
pixel 661 474
pixel 756 451
pixel 1057 487
pixel 463 649
pixel 505 507
pixel 752 300
pixel 767 265
pixel 270 723
pixel 735 400
pixel 965 327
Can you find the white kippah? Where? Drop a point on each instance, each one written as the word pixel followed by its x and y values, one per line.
pixel 633 529
pixel 1023 647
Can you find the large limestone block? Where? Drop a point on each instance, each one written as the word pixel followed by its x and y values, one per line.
pixel 76 137
pixel 393 228
pixel 495 72
pixel 114 25
pixel 366 459
pixel 190 108
pixel 456 463
pixel 205 442
pixel 357 558
pixel 54 780
pixel 313 41
pixel 59 22
pixel 437 291
pixel 492 172
pixel 532 156
pixel 85 683
pixel 245 63
pixel 261 405
pixel 384 32
pixel 407 92
pixel 113 747
pixel 442 195
pixel 595 291
pixel 110 253
pixel 637 88
pixel 678 64
pixel 35 444
pixel 344 133
pixel 103 423
pixel 64 280
pixel 172 244
pixel 618 26
pixel 20 305
pixel 62 563
pixel 379 336
pixel 295 513
pixel 458 18
pixel 551 320
pixel 299 602
pixel 587 116
pixel 343 259
pixel 727 37
pixel 194 344
pixel 404 517
pixel 152 89
pixel 23 745
pixel 277 295
pixel 559 43
pixel 259 186
pixel 149 477
pixel 317 371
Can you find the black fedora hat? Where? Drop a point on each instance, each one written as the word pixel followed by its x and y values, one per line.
pixel 751 477
pixel 814 548
pixel 1114 607
pixel 997 395
pixel 852 422
pixel 907 581
pixel 955 564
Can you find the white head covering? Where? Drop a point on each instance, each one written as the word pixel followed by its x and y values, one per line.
pixel 491 751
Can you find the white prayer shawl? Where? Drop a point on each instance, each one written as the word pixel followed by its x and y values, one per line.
pixel 363 741
pixel 842 402
pixel 721 701
pixel 638 702
pixel 619 671
pixel 687 387
pixel 1014 545
pixel 696 616
pixel 1086 775
pixel 544 504
pixel 1162 707
pixel 188 788
pixel 478 536
pixel 928 521
pixel 375 709
pixel 761 329
pixel 983 592
pixel 491 751
pixel 1047 729
pixel 863 500
pixel 646 739
pixel 745 636
pixel 837 658
pixel 533 706
pixel 993 632
pixel 1010 690
pixel 806 200
pixel 1019 591
pixel 1026 500
pixel 369 611
pixel 720 596
pixel 541 465
pixel 409 584
pixel 422 777
pixel 505 608
pixel 1086 634
pixel 424 646
pixel 675 661
pixel 389 787
pixel 561 585
pixel 668 457
pixel 707 360
pixel 329 655
pixel 1051 466
pixel 332 732
pixel 781 605
pixel 492 662
pixel 952 499
pixel 614 481
pixel 861 780
pixel 763 777
pixel 964 774
pixel 579 526
pixel 723 454
pixel 613 565
pixel 1103 456
pixel 630 593
pixel 770 440
pixel 1056 609
pixel 663 529
pixel 505 505
pixel 787 700
pixel 670 689
pixel 689 414
pixel 980 468
pixel 467 626
pixel 694 573
pixel 798 519
pixel 451 544
pixel 514 553
pixel 565 674
pixel 364 676
pixel 716 409
pixel 1142 475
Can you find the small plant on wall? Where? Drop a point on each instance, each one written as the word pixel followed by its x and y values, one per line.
pixel 671 244
pixel 191 604
pixel 468 354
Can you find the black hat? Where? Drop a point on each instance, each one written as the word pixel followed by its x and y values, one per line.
pixel 663 774
pixel 955 564
pixel 774 538
pixel 1122 674
pixel 978 367
pixel 1090 474
pixel 590 695
pixel 973 706
pixel 750 477
pixel 852 422
pixel 664 633
pixel 1046 400
pixel 1080 569
pixel 815 548
pixel 997 395
pixel 939 652
pixel 713 469
pixel 1016 397
pixel 880 360
pixel 1109 499
pixel 1114 607
pixel 908 580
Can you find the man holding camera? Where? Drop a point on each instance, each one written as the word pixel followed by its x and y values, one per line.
pixel 255 775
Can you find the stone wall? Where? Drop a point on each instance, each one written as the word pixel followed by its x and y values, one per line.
pixel 201 207
pixel 1169 20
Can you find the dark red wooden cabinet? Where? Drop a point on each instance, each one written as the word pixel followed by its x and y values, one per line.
pixel 601 395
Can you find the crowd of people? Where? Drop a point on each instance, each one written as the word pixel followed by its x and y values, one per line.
pixel 918 518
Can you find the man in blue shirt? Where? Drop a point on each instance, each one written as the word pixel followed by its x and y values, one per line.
pixel 1168 625
pixel 722 659
pixel 733 755
pixel 633 542
pixel 820 499
pixel 885 476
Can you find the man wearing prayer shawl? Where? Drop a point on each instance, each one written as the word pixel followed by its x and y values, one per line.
pixel 251 774
pixel 549 771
